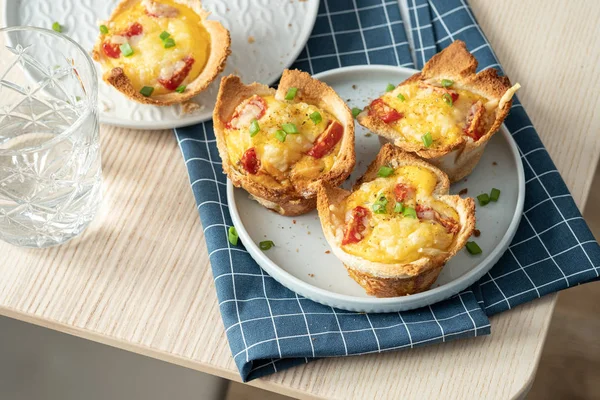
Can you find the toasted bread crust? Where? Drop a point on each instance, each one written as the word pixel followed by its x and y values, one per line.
pixel 299 197
pixel 455 63
pixel 220 43
pixel 386 280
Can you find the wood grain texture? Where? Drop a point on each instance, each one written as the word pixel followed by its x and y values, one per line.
pixel 139 277
pixel 553 49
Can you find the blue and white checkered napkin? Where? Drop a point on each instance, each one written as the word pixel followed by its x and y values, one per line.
pixel 271 328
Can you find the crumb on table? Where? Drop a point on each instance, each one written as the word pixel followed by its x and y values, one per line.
pixel 311 275
pixel 294 221
pixel 463 191
pixel 327 251
pixel 354 87
pixel 251 39
pixel 494 163
pixel 476 232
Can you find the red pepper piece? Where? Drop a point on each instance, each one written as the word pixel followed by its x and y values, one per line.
pixel 250 161
pixel 178 76
pixel 327 140
pixel 384 112
pixel 355 227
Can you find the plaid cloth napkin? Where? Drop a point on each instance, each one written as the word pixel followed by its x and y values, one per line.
pixel 271 328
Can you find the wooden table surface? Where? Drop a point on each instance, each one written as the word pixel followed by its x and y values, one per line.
pixel 139 277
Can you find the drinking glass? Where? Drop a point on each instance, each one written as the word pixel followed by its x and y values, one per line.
pixel 50 173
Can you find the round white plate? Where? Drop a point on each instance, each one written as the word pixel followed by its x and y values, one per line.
pixel 278 34
pixel 300 259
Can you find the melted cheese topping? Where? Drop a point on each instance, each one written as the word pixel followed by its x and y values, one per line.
pixel 425 110
pixel 150 58
pixel 283 161
pixel 392 237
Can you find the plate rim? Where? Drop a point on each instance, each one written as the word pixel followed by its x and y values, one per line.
pixel 160 124
pixel 388 304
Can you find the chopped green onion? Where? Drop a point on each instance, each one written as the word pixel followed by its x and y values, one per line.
pixel 180 89
pixel 448 99
pixel 57 27
pixel 356 111
pixel 483 199
pixel 385 171
pixel 103 29
pixel 379 207
pixel 401 97
pixel 291 93
pixel 280 135
pixel 289 128
pixel 147 91
pixel 126 49
pixel 164 35
pixel 77 98
pixel 473 248
pixel 254 128
pixel 316 117
pixel 409 212
pixel 399 207
pixel 390 87
pixel 447 83
pixel 495 194
pixel 232 235
pixel 168 43
pixel 427 139
pixel 266 244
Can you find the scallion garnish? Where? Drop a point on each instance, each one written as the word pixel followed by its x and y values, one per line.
pixel 180 89
pixel 447 83
pixel 254 128
pixel 385 171
pixel 126 49
pixel 147 91
pixel 103 29
pixel 427 139
pixel 280 135
pixel 356 111
pixel 390 87
pixel 448 99
pixel 232 235
pixel 495 194
pixel 401 97
pixel 483 198
pixel 398 207
pixel 289 128
pixel 291 93
pixel 164 35
pixel 379 207
pixel 266 244
pixel 57 27
pixel 316 117
pixel 409 212
pixel 168 43
pixel 473 248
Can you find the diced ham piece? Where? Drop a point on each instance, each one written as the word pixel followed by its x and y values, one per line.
pixel 134 29
pixel 473 129
pixel 429 214
pixel 387 114
pixel 327 140
pixel 250 161
pixel 172 77
pixel 251 108
pixel 112 47
pixel 403 192
pixel 355 226
pixel 158 10
pixel 439 90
